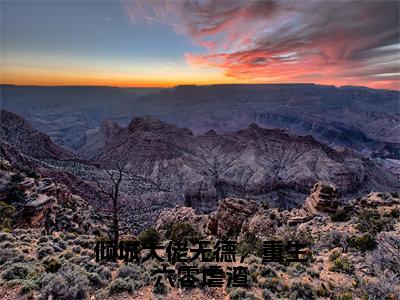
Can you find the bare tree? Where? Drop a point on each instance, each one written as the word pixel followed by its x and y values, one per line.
pixel 123 213
pixel 110 195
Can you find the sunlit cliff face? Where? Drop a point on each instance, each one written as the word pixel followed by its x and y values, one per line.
pixel 329 42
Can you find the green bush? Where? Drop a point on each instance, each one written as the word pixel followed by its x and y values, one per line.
pixel 51 265
pixel 120 285
pixel 323 292
pixel 340 215
pixel 149 237
pixel 17 271
pixel 362 243
pixel 4 165
pixel 29 285
pixel 345 296
pixel 250 244
pixel 334 255
pixel 370 220
pixel 342 265
pixel 6 212
pixel 183 232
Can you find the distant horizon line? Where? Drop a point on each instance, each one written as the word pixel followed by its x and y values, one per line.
pixel 216 84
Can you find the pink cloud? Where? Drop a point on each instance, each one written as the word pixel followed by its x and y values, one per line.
pixel 333 42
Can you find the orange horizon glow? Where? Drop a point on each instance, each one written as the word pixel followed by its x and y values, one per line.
pixel 127 83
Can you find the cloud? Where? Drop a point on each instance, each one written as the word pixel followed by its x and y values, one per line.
pixel 334 42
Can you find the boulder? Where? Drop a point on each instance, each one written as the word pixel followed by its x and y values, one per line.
pixel 181 214
pixel 227 221
pixel 263 223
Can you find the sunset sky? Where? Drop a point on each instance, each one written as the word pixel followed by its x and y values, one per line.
pixel 165 43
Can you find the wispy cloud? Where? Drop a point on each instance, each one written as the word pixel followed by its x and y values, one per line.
pixel 336 42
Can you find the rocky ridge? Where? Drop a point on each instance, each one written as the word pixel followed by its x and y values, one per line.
pixel 261 164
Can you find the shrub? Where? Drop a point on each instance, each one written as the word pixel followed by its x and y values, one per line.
pixel 5 165
pixel 95 280
pixel 17 271
pixel 345 296
pixel 370 220
pixel 342 265
pixel 250 244
pixel 10 255
pixel 17 178
pixel 128 271
pixel 265 205
pixel 395 213
pixel 362 243
pixel 333 239
pixel 266 295
pixel 272 284
pixel 104 272
pixel 26 238
pixel 149 237
pixel 51 265
pixel 68 283
pixel 6 211
pixel 302 291
pixel 44 251
pixel 67 255
pixel 267 272
pixel 340 215
pixel 241 294
pixel 183 232
pixel 31 173
pixel 334 255
pixel 76 249
pixel 15 196
pixel 5 236
pixel 160 288
pixel 120 285
pixel 70 236
pixel 29 285
pixel 86 241
pixel 323 292
pixel 313 273
pixel 44 239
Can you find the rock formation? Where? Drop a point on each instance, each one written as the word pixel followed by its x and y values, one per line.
pixel 322 200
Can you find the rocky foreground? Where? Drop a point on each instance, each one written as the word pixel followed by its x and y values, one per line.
pixel 48 236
